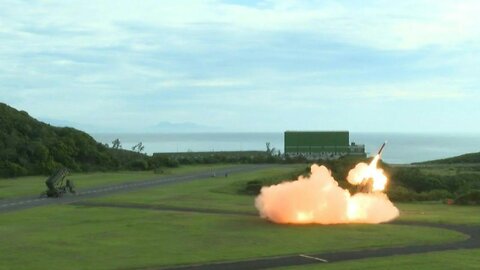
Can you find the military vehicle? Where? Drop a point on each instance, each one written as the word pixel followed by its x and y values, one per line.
pixel 57 184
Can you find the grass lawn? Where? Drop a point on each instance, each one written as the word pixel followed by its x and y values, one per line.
pixel 34 185
pixel 80 237
pixel 439 213
pixel 76 237
pixel 212 193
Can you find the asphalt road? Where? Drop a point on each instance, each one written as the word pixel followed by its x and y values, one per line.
pixel 26 202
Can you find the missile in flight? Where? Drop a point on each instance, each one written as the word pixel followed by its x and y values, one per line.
pixel 381 148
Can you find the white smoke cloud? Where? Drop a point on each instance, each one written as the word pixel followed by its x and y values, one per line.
pixel 319 199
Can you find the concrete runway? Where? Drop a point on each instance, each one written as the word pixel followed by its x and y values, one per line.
pixel 26 202
pixel 303 259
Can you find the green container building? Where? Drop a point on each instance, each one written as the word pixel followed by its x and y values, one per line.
pixel 320 144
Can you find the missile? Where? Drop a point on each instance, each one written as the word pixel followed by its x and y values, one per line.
pixel 381 148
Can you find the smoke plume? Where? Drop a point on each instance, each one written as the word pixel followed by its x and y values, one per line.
pixel 319 199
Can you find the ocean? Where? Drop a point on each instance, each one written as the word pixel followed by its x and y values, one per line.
pixel 401 147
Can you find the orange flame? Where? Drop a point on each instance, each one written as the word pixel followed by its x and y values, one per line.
pixel 319 199
pixel 363 173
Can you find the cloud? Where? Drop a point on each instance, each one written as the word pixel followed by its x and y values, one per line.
pixel 204 83
pixel 422 94
pixel 228 62
pixel 380 24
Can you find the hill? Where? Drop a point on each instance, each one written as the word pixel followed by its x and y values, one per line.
pixel 470 158
pixel 29 146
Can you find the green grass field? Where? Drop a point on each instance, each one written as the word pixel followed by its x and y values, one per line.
pixel 86 237
pixel 211 193
pixel 111 238
pixel 439 213
pixel 34 185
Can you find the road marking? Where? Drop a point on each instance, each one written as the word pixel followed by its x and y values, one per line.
pixel 313 258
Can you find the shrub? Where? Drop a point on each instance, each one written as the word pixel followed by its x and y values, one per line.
pixel 434 195
pixel 401 194
pixel 139 165
pixel 470 198
pixel 11 169
pixel 253 187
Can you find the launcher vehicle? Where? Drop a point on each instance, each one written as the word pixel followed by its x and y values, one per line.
pixel 58 185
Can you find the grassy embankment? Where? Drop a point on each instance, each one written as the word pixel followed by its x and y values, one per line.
pixel 112 238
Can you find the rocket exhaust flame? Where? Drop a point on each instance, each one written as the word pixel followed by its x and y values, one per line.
pixel 319 199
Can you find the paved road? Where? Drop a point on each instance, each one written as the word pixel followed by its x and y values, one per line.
pixel 34 201
pixel 302 259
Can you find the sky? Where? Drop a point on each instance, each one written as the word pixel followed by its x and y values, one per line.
pixel 134 66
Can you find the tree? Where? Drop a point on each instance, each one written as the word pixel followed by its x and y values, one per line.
pixel 270 151
pixel 30 147
pixel 116 144
pixel 138 147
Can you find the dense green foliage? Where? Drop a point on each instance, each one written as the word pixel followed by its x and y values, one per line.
pixel 469 198
pixel 419 181
pixel 188 158
pixel 28 146
pixel 462 159
pixel 406 183
pixel 414 184
pixel 254 186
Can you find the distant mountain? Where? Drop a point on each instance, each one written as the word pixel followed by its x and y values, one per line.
pixel 29 146
pixel 182 127
pixel 470 158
